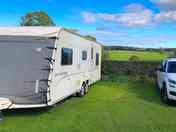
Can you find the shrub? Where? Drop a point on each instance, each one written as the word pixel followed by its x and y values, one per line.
pixel 105 55
pixel 174 53
pixel 161 51
pixel 139 69
pixel 134 58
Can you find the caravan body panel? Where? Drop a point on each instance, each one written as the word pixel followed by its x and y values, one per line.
pixel 67 79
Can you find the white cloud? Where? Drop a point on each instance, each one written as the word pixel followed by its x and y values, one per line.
pixel 135 18
pixel 166 16
pixel 166 4
pixel 133 15
pixel 88 17
pixel 165 1
pixel 130 17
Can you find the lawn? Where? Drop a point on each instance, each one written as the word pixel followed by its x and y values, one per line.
pixel 143 55
pixel 120 105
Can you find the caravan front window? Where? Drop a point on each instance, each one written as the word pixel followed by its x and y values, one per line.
pixel 84 55
pixel 67 56
pixel 97 59
pixel 92 53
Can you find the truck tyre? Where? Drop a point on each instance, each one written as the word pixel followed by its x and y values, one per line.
pixel 164 95
pixel 81 93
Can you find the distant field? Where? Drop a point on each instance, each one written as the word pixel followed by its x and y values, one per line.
pixel 143 55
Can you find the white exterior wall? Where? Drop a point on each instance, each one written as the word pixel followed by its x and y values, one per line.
pixel 67 80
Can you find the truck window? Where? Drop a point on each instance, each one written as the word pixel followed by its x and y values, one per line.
pixel 84 55
pixel 66 56
pixel 97 59
pixel 164 67
pixel 172 67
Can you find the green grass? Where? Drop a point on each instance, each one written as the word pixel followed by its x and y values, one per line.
pixel 121 105
pixel 143 55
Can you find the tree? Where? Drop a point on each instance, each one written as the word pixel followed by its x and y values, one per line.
pixel 134 58
pixel 90 37
pixel 161 50
pixel 38 18
pixel 172 54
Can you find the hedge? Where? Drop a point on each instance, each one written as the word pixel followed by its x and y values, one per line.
pixel 139 69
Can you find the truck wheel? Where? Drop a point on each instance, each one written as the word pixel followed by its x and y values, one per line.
pixel 86 88
pixel 81 93
pixel 164 95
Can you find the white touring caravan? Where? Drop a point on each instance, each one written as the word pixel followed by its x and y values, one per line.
pixel 40 66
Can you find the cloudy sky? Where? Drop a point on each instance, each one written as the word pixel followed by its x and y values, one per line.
pixel 141 23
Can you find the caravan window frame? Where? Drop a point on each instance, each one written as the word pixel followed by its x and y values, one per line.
pixel 68 60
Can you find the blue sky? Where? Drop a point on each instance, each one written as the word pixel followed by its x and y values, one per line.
pixel 141 23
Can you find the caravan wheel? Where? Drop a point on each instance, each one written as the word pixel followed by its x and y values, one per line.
pixel 86 88
pixel 81 93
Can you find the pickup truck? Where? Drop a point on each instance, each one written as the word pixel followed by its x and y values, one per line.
pixel 166 80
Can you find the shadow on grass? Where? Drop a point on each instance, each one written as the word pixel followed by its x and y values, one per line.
pixel 25 112
pixel 148 91
pixel 145 90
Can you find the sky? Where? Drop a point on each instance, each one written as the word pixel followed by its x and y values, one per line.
pixel 138 23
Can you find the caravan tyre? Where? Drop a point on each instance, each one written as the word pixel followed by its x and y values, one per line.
pixel 86 88
pixel 81 93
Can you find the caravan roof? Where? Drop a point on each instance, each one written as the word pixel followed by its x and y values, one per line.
pixel 30 31
pixel 35 31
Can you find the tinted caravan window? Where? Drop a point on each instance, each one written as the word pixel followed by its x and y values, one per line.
pixel 67 56
pixel 92 52
pixel 97 59
pixel 84 55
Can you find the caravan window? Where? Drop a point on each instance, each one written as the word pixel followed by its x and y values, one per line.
pixel 67 56
pixel 97 59
pixel 84 55
pixel 92 52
